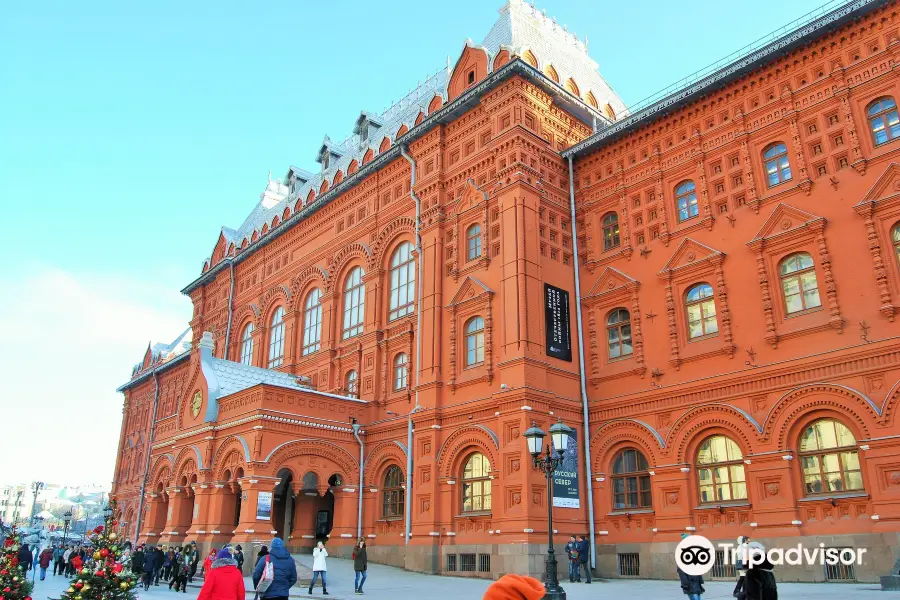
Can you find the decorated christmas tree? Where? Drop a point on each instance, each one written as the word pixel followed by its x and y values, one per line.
pixel 14 584
pixel 102 576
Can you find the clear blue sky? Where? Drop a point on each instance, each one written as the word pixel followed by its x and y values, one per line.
pixel 130 132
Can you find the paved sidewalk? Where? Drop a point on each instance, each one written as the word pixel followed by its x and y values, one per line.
pixel 388 583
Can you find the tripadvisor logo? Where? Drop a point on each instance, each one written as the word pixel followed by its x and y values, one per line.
pixel 695 555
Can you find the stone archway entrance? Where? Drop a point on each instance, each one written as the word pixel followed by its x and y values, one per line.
pixel 283 504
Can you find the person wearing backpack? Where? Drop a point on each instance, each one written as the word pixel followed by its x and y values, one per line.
pixel 572 553
pixel 319 568
pixel 283 573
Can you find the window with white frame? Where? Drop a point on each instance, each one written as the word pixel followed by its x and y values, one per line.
pixel 247 345
pixel 312 322
pixel 276 339
pixel 403 281
pixel 354 303
pixel 400 364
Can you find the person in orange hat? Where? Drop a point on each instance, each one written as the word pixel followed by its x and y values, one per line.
pixel 515 587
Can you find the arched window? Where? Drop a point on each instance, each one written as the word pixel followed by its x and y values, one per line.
pixel 473 242
pixel 720 470
pixel 247 345
pixel 354 303
pixel 778 166
pixel 474 341
pixel 829 458
pixel 312 322
pixel 393 494
pixel 403 281
pixel 798 283
pixel 895 238
pixel 476 484
pixel 618 333
pixel 400 364
pixel 631 480
pixel 701 311
pixel 550 72
pixel 686 200
pixel 276 339
pixel 884 123
pixel 610 231
pixel 352 384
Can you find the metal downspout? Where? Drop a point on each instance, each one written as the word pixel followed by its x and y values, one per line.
pixel 584 399
pixel 419 292
pixel 362 466
pixel 140 512
pixel 230 309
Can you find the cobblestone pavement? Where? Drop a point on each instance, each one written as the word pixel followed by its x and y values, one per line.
pixel 386 583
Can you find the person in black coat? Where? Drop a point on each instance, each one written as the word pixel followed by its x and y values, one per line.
pixel 584 557
pixel 137 561
pixel 760 581
pixel 24 557
pixel 691 585
pixel 239 557
pixel 149 568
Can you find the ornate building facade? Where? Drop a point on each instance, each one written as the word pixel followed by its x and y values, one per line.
pixel 372 341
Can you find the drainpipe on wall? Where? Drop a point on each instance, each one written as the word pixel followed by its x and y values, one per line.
pixel 230 309
pixel 140 511
pixel 419 288
pixel 584 399
pixel 362 466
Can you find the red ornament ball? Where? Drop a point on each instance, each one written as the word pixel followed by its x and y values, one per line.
pixel 104 553
pixel 4 572
pixel 117 568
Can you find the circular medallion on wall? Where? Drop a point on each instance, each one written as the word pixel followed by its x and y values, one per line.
pixel 196 402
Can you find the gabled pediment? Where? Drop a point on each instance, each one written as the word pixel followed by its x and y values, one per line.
pixel 783 219
pixel 689 253
pixel 886 186
pixel 469 289
pixel 610 280
pixel 471 196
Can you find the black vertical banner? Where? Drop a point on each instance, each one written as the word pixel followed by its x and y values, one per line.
pixel 556 317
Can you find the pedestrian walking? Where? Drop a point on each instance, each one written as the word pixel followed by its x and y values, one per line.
pixel 137 561
pixel 691 585
pixel 285 572
pixel 264 551
pixel 66 564
pixel 167 565
pixel 319 567
pixel 515 587
pixel 224 580
pixel 194 562
pixel 207 562
pixel 760 581
pixel 743 543
pixel 44 560
pixel 584 553
pixel 159 557
pixel 360 565
pixel 179 571
pixel 148 567
pixel 24 557
pixel 572 553
pixel 239 557
pixel 57 559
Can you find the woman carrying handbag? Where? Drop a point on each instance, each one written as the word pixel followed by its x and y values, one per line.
pixel 275 574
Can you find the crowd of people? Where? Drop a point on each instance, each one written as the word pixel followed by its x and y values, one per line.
pixel 177 565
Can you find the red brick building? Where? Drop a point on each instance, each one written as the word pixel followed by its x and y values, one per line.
pixel 736 280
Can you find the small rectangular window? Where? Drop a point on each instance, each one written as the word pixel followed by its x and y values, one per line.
pixel 840 571
pixel 722 569
pixel 451 563
pixel 467 562
pixel 484 563
pixel 471 77
pixel 629 564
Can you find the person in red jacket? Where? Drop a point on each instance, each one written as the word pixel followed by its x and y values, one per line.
pixel 208 561
pixel 223 580
pixel 44 559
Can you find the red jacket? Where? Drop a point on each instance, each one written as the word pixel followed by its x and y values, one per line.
pixel 45 558
pixel 223 582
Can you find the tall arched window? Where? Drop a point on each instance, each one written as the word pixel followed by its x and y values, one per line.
pixel 247 345
pixel 777 163
pixel 403 281
pixel 352 384
pixel 618 333
pixel 476 484
pixel 354 303
pixel 701 311
pixel 895 239
pixel 686 200
pixel 393 494
pixel 798 283
pixel 473 242
pixel 829 458
pixel 400 364
pixel 276 338
pixel 474 341
pixel 884 123
pixel 610 231
pixel 312 322
pixel 720 470
pixel 631 481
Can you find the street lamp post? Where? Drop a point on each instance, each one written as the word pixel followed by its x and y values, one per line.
pixel 547 463
pixel 36 486
pixel 67 517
